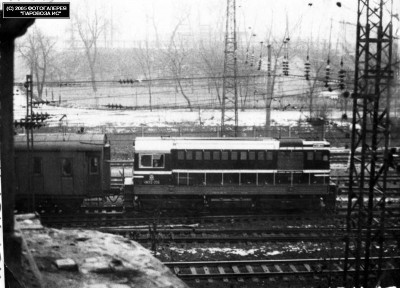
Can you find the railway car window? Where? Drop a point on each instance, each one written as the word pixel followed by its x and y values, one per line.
pixel 207 155
pixel 145 160
pixel 234 155
pixel 260 155
pixel 252 155
pixel 189 155
pixel 66 167
pixel 216 155
pixel 270 155
pixel 94 165
pixel 181 155
pixel 199 155
pixel 318 155
pixel 224 155
pixel 243 155
pixel 37 166
pixel 310 156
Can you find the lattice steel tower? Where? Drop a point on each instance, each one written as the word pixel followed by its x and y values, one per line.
pixel 370 134
pixel 229 115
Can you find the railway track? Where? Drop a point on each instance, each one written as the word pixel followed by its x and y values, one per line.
pixel 255 270
pixel 193 234
pixel 392 178
pixel 112 219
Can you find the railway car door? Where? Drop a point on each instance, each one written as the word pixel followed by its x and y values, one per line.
pixel 67 180
pixel 37 177
pixel 93 183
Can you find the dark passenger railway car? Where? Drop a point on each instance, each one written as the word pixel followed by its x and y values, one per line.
pixel 63 169
pixel 261 173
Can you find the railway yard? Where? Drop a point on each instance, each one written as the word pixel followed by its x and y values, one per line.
pixel 224 144
pixel 250 248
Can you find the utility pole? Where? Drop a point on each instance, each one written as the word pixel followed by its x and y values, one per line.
pixel 229 113
pixel 268 99
pixel 366 211
pixel 29 134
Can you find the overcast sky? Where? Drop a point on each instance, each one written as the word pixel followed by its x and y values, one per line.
pixel 135 19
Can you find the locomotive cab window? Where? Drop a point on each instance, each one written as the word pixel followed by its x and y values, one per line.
pixel 94 165
pixel 66 167
pixel 37 166
pixel 325 158
pixel 158 160
pixel 152 161
pixel 318 156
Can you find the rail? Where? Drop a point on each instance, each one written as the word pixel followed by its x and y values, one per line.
pixel 254 269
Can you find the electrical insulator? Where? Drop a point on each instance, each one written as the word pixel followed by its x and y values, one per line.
pixel 126 81
pixel 247 56
pixel 285 63
pixel 342 75
pixel 259 64
pixel 307 68
pixel 285 67
pixel 327 74
pixel 252 59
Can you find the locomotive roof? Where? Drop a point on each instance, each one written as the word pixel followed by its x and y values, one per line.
pixel 164 145
pixel 63 142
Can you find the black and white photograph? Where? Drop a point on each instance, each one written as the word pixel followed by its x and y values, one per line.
pixel 200 143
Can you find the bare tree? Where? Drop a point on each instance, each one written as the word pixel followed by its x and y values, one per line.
pixel 144 58
pixel 37 50
pixel 90 27
pixel 177 54
pixel 212 65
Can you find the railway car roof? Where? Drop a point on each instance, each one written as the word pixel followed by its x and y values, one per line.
pixel 163 145
pixel 62 142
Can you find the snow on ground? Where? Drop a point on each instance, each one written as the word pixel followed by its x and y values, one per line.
pixel 261 250
pixel 161 118
pixel 236 251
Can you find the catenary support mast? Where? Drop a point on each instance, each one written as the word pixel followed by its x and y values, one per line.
pixel 366 211
pixel 229 115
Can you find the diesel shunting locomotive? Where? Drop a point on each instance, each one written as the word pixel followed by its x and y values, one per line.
pixel 220 172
